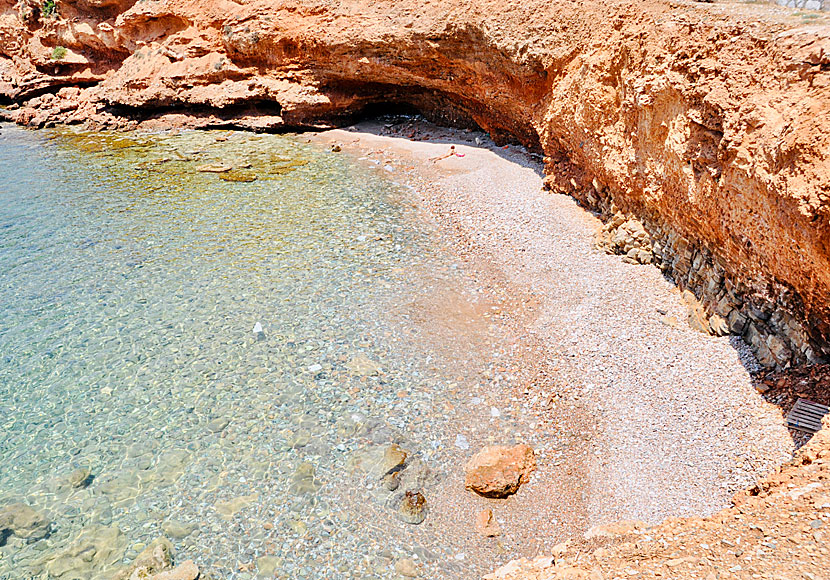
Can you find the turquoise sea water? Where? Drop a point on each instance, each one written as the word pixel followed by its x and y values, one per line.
pixel 136 401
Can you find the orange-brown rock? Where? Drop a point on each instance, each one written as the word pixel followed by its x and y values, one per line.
pixel 486 524
pixel 187 570
pixel 498 471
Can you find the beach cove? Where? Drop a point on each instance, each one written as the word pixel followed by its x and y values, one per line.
pixel 396 316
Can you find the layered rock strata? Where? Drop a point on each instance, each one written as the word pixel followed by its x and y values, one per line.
pixel 719 304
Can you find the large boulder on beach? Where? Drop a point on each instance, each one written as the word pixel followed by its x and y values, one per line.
pixel 498 471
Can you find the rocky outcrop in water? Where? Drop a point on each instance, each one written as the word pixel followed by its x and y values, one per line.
pixel 20 520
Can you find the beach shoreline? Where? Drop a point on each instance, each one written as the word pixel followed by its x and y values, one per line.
pixel 672 423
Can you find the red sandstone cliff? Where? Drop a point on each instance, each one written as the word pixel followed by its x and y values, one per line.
pixel 708 122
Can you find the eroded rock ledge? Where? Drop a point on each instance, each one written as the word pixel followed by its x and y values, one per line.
pixel 708 123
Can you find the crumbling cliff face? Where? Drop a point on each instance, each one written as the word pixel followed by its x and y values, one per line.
pixel 709 124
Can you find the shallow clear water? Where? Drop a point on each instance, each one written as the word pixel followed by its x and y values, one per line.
pixel 130 282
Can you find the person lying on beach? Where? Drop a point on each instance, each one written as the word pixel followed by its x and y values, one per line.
pixel 452 153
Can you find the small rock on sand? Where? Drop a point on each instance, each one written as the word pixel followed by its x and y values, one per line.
pixel 498 471
pixel 486 524
pixel 406 568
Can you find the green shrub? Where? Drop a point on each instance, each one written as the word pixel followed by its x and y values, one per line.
pixel 50 8
pixel 58 53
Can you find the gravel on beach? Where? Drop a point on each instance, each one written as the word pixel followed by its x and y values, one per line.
pixel 672 422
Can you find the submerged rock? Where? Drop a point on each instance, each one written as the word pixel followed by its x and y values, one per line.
pixel 498 471
pixel 214 168
pixel 155 562
pixel 363 366
pixel 378 461
pixel 79 478
pixel 218 424
pixel 22 521
pixel 303 482
pixel 238 176
pixel 156 557
pixel 392 480
pixel 95 549
pixel 228 508
pixel 406 568
pixel 267 566
pixel 394 458
pixel 412 508
pixel 176 529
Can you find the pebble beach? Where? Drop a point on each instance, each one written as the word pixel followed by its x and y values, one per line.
pixel 279 352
